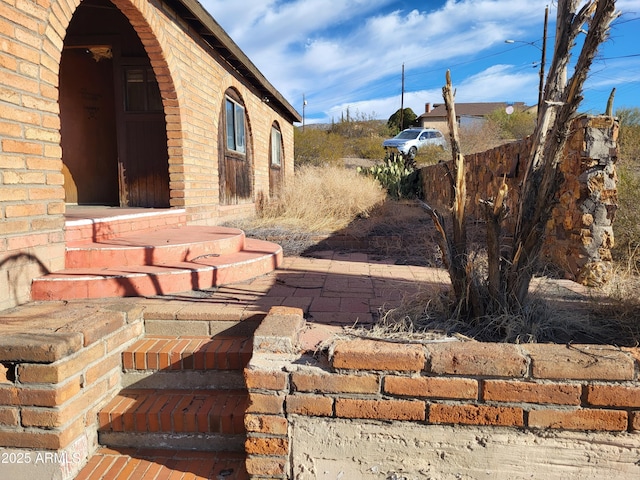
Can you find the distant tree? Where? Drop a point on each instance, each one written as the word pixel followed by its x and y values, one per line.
pixel 628 116
pixel 359 125
pixel 513 126
pixel 316 147
pixel 409 119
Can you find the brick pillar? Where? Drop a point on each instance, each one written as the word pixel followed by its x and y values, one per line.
pixel 267 445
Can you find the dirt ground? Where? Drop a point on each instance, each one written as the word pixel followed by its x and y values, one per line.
pixel 402 232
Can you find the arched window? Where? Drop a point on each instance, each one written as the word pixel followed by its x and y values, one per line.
pixel 235 120
pixel 276 161
pixel 276 146
pixel 235 151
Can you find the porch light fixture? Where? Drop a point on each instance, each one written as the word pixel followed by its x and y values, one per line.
pixel 100 53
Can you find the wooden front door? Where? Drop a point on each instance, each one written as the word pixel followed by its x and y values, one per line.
pixel 113 131
pixel 235 166
pixel 143 165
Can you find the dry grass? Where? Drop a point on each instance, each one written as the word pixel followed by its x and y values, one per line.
pixel 318 202
pixel 322 199
pixel 552 315
pixel 338 201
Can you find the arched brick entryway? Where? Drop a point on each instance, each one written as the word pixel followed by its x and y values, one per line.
pixel 114 96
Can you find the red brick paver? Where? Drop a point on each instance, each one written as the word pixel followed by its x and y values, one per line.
pixel 132 464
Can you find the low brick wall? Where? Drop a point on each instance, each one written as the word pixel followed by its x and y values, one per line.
pixel 500 387
pixel 579 234
pixel 54 380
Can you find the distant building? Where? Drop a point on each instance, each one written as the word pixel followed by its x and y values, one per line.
pixel 435 116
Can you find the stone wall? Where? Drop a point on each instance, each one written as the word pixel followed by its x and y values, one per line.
pixel 374 409
pixel 579 235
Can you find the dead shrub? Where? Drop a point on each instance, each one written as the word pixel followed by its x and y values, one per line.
pixel 322 199
pixel 314 146
pixel 552 314
pixel 366 147
pixel 627 220
pixel 480 137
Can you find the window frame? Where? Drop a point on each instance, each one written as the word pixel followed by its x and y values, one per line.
pixel 146 101
pixel 276 147
pixel 235 126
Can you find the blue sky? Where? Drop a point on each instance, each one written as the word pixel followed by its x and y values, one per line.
pixel 342 54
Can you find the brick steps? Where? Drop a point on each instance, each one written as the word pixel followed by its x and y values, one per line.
pixel 187 353
pixel 157 464
pixel 203 362
pixel 180 393
pixel 179 419
pixel 187 267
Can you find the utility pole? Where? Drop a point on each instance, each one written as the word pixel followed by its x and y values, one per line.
pixel 542 62
pixel 402 102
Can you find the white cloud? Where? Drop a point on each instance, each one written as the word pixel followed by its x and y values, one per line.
pixel 350 52
pixel 476 88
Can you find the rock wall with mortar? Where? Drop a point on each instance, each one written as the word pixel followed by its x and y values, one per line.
pixel 379 410
pixel 579 234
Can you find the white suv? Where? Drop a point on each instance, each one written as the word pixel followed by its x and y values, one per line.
pixel 410 140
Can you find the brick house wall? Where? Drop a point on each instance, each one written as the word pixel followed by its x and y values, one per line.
pixel 193 79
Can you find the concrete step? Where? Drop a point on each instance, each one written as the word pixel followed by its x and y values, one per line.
pixel 85 224
pixel 257 258
pixel 206 420
pixel 158 247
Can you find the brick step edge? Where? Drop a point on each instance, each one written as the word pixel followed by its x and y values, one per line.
pixel 155 464
pixel 184 379
pixel 188 353
pixel 163 246
pixel 92 229
pixel 182 412
pixel 259 258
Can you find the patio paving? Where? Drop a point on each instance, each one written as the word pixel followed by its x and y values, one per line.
pixel 334 289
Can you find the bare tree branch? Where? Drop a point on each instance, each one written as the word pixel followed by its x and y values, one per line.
pixel 561 102
pixel 443 240
pixel 459 245
pixel 509 275
pixel 495 211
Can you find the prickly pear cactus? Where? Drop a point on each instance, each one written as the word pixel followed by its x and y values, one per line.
pixel 396 174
